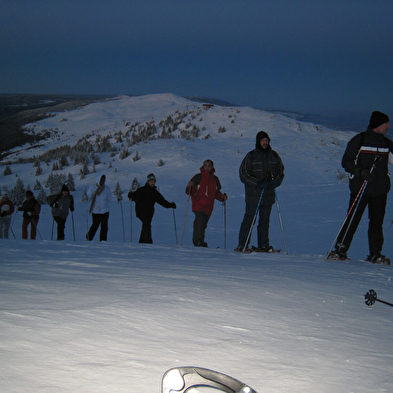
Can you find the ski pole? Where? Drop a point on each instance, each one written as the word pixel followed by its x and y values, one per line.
pixel 225 224
pixel 35 225
pixel 53 223
pixel 174 220
pixel 13 220
pixel 355 205
pixel 73 227
pixel 122 221
pixel 185 219
pixel 13 234
pixel 281 223
pixel 130 220
pixel 371 298
pixel 253 221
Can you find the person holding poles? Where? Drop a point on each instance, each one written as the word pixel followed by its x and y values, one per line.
pixel 261 171
pixel 31 214
pixel 99 196
pixel 145 198
pixel 204 188
pixel 366 158
pixel 60 204
pixel 6 210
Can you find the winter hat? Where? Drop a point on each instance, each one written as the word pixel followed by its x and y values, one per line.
pixel 150 176
pixel 261 135
pixel 65 188
pixel 29 194
pixel 377 119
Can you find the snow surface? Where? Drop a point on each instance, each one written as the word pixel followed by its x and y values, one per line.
pixel 114 316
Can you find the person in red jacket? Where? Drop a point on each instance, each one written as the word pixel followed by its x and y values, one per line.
pixel 203 188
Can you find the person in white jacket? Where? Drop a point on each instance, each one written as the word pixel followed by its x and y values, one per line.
pixel 99 195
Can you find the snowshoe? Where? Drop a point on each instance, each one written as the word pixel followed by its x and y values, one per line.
pixel 244 251
pixel 336 256
pixel 379 259
pixel 268 249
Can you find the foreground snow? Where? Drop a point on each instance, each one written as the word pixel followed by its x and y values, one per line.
pixel 83 317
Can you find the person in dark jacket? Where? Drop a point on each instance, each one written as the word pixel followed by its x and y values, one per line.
pixel 6 210
pixel 261 171
pixel 366 158
pixel 60 204
pixel 204 188
pixel 31 214
pixel 145 198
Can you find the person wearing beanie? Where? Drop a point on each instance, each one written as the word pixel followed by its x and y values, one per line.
pixel 60 204
pixel 31 214
pixel 145 198
pixel 204 188
pixel 261 170
pixel 99 195
pixel 366 158
pixel 6 210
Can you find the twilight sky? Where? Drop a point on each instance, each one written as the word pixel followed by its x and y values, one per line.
pixel 305 55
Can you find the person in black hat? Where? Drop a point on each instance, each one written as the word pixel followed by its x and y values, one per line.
pixel 261 171
pixel 366 159
pixel 145 198
pixel 60 204
pixel 31 214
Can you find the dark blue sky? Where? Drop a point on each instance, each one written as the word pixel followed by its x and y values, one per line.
pixel 310 56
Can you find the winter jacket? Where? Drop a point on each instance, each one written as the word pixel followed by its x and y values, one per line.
pixel 101 204
pixel 260 166
pixel 30 206
pixel 361 152
pixel 4 211
pixel 145 197
pixel 60 204
pixel 205 190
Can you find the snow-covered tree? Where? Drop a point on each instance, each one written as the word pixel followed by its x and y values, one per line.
pixel 17 194
pixel 37 185
pixel 41 198
pixel 134 185
pixel 70 182
pixel 118 192
pixel 39 170
pixel 7 171
pixel 84 196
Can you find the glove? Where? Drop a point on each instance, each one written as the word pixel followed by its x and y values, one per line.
pixel 130 194
pixel 173 205
pixel 263 184
pixel 224 197
pixel 275 183
pixel 72 208
pixel 367 175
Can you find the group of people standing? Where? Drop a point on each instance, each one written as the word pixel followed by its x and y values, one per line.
pixel 366 158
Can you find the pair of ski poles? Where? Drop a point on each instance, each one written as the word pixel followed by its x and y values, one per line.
pixel 255 219
pixel 225 223
pixel 174 220
pixel 353 207
pixel 73 227
pixel 32 223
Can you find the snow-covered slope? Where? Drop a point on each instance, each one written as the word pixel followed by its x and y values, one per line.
pixel 93 317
